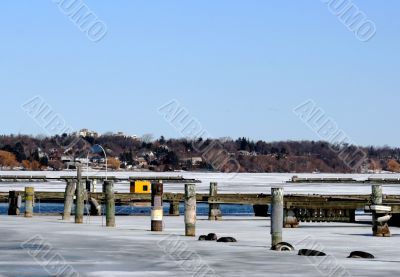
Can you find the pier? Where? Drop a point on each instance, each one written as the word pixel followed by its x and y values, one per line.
pixel 300 207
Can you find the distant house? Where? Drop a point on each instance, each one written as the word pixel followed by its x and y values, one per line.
pixel 41 153
pixel 193 160
pixel 141 162
pixel 98 160
pixel 66 159
pixel 87 133
pixel 244 153
pixel 82 160
pixel 148 155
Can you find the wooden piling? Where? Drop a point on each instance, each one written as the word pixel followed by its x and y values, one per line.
pixel 14 202
pixel 379 228
pixel 276 215
pixel 190 210
pixel 80 197
pixel 174 208
pixel 110 203
pixel 29 201
pixel 88 185
pixel 214 211
pixel 95 207
pixel 68 199
pixel 156 206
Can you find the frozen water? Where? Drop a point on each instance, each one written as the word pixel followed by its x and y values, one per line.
pixel 228 183
pixel 131 249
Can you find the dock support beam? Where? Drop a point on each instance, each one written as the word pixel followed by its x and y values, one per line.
pixel 190 210
pixel 379 228
pixel 88 185
pixel 80 197
pixel 110 203
pixel 276 215
pixel 94 183
pixel 352 216
pixel 15 202
pixel 174 208
pixel 68 199
pixel 157 206
pixel 29 201
pixel 214 211
pixel 260 210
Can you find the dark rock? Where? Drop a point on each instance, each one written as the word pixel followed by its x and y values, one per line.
pixel 311 253
pixel 211 236
pixel 361 255
pixel 226 239
pixel 203 237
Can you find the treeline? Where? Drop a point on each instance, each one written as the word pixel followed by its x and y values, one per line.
pixel 36 153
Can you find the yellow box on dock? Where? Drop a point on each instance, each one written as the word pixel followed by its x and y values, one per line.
pixel 140 187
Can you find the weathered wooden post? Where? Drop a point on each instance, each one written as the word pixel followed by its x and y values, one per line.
pixel 276 215
pixel 29 201
pixel 190 210
pixel 68 199
pixel 95 207
pixel 156 206
pixel 379 220
pixel 214 211
pixel 15 202
pixel 80 197
pixel 174 208
pixel 110 203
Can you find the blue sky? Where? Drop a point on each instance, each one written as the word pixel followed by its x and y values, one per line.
pixel 238 67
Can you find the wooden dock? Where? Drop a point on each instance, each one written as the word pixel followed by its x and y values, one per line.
pixel 304 207
pixel 37 178
pixel 314 180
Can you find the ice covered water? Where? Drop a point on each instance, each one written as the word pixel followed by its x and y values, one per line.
pixel 228 183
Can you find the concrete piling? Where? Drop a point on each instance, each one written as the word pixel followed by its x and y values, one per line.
pixel 290 219
pixel 14 202
pixel 29 201
pixel 68 199
pixel 174 208
pixel 80 197
pixel 214 211
pixel 108 188
pixel 276 215
pixel 380 227
pixel 190 210
pixel 157 191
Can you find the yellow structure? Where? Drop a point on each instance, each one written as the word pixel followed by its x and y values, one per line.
pixel 140 186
